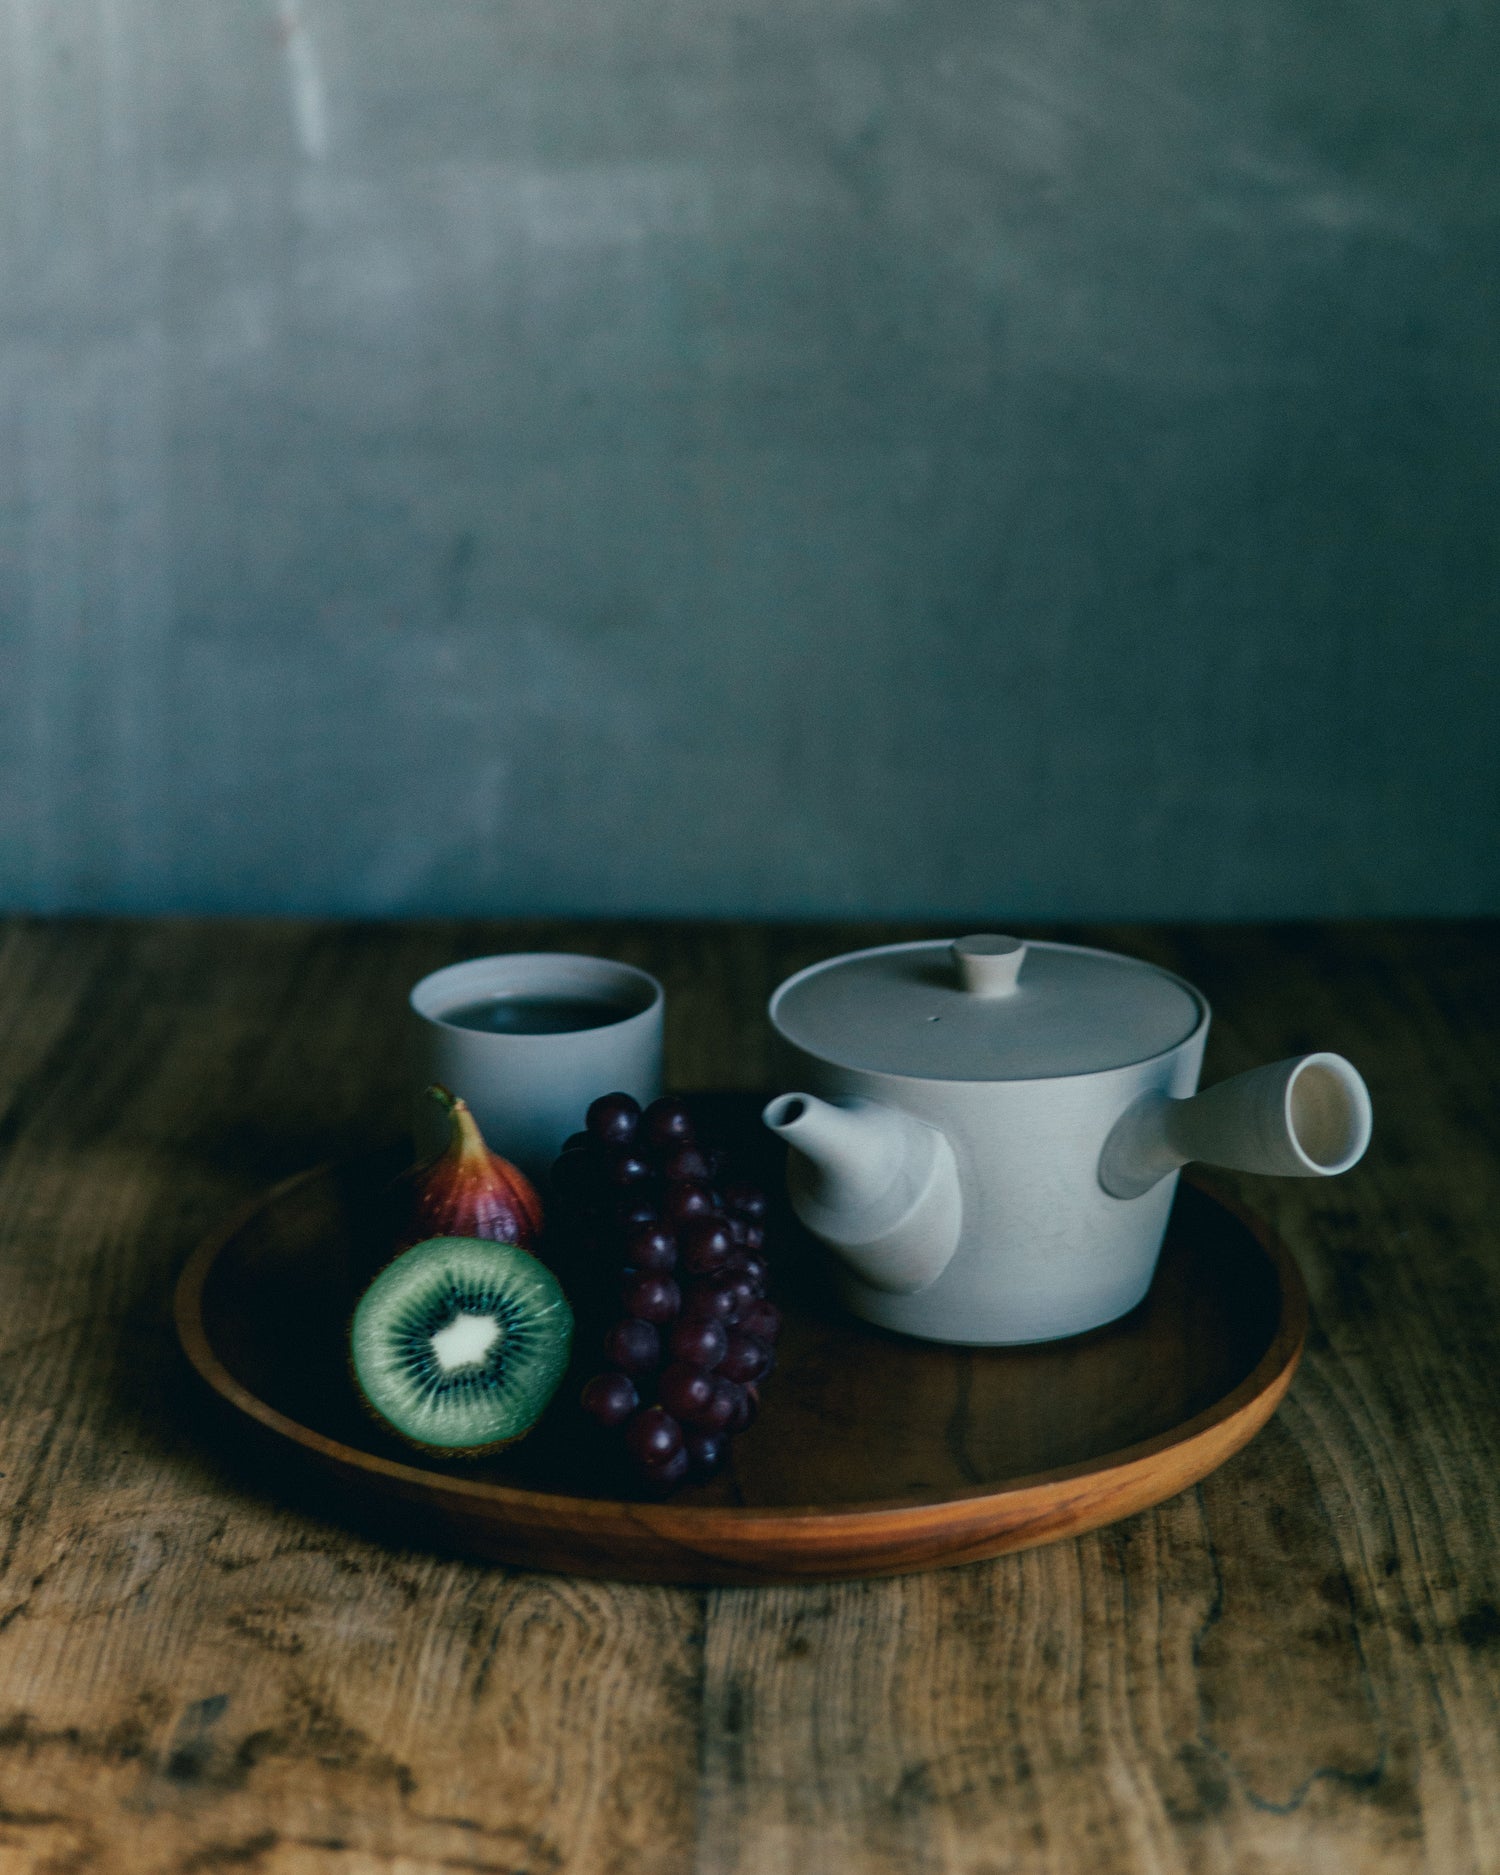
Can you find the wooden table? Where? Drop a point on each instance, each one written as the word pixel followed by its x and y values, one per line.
pixel 1295 1666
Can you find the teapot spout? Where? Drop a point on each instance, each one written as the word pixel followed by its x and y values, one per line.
pixel 1308 1117
pixel 878 1187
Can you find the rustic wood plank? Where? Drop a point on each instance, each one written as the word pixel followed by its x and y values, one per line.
pixel 194 1678
pixel 1295 1665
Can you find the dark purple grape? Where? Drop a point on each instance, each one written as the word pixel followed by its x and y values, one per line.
pixel 682 1203
pixel 639 1190
pixel 610 1398
pixel 746 1402
pixel 626 1168
pixel 721 1407
pixel 711 1300
pixel 745 1358
pixel 652 1247
pixel 635 1209
pixel 613 1119
pixel 633 1346
pixel 746 1201
pixel 667 1122
pixel 705 1452
pixel 744 1291
pixel 705 1246
pixel 756 1268
pixel 699 1343
pixel 686 1391
pixel 651 1298
pixel 653 1436
pixel 683 1165
pixel 763 1320
pixel 667 1474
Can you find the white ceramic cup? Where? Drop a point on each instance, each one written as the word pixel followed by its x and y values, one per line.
pixel 529 1092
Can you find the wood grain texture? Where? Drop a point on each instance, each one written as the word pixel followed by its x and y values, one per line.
pixel 1296 1664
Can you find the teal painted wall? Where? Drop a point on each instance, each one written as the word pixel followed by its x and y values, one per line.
pixel 937 458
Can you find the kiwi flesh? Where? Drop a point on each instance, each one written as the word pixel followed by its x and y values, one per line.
pixel 459 1344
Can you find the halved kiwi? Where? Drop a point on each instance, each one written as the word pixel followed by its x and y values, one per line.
pixel 459 1344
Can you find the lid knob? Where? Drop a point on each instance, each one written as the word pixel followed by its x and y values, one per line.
pixel 989 965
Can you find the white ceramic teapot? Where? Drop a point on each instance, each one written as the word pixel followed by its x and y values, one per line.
pixel 992 1133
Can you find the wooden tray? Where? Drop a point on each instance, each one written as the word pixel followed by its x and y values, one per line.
pixel 873 1455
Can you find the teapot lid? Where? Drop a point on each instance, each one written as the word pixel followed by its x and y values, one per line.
pixel 985 1009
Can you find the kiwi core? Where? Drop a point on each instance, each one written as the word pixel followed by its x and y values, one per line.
pixel 465 1342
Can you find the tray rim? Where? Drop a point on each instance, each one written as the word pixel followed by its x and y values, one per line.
pixel 963 1524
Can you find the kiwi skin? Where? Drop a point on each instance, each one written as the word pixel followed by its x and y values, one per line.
pixel 462 1452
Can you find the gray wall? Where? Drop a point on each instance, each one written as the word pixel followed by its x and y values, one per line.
pixel 909 456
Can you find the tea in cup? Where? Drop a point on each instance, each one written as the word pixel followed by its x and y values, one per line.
pixel 530 1038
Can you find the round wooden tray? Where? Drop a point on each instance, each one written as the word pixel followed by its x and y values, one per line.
pixel 874 1455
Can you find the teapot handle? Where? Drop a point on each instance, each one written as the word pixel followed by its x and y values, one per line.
pixel 1306 1117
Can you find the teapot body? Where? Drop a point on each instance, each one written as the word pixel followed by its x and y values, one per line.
pixel 1043 1250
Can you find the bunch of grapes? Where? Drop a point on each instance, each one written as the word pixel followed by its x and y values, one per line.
pixel 680 1247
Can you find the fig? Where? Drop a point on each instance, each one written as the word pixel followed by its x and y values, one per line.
pixel 467 1191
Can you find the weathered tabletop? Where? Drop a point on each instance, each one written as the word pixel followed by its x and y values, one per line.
pixel 1294 1666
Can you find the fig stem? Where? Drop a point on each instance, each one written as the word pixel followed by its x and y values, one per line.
pixel 464 1136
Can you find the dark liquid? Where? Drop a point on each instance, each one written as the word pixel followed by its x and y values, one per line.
pixel 536 1015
